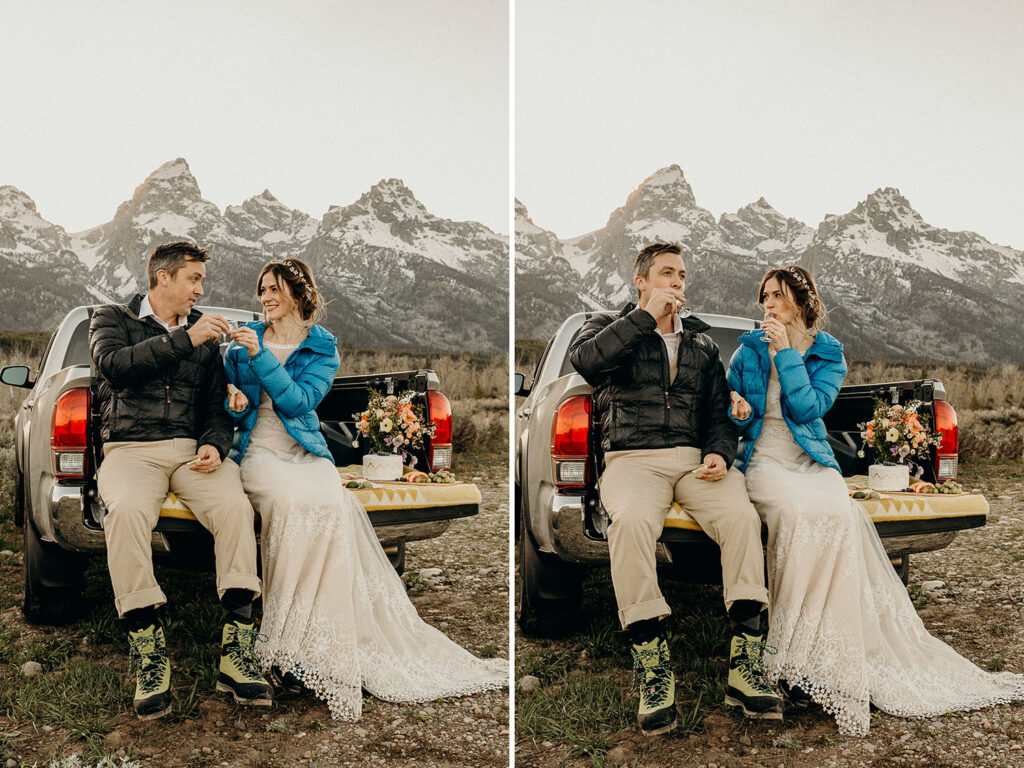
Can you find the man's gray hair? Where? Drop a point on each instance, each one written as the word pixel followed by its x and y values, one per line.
pixel 172 257
pixel 642 265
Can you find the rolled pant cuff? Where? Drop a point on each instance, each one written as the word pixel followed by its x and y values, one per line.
pixel 651 609
pixel 756 592
pixel 239 580
pixel 144 598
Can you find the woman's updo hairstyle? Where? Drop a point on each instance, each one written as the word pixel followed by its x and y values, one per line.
pixel 799 291
pixel 296 274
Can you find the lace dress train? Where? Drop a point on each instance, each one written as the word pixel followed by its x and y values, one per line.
pixel 841 623
pixel 335 613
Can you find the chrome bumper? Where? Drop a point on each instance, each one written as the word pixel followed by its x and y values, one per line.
pixel 570 541
pixel 69 529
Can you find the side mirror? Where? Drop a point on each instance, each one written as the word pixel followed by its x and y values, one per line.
pixel 520 389
pixel 16 376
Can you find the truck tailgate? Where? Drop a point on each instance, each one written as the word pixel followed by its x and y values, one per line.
pixel 894 514
pixel 387 503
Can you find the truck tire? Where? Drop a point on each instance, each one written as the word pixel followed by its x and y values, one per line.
pixel 53 580
pixel 549 590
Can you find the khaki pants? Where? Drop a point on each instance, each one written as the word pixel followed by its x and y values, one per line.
pixel 637 489
pixel 133 481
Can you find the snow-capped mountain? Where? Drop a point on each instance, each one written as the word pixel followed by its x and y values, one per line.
pixel 393 273
pixel 896 285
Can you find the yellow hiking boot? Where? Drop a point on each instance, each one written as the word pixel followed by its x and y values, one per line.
pixel 238 673
pixel 148 652
pixel 748 688
pixel 651 668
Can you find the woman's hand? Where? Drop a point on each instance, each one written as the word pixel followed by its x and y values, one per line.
pixel 740 407
pixel 237 401
pixel 247 337
pixel 776 334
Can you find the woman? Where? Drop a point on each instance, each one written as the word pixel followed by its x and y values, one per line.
pixel 843 631
pixel 335 613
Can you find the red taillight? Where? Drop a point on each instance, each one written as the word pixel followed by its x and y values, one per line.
pixel 570 435
pixel 69 434
pixel 440 451
pixel 948 451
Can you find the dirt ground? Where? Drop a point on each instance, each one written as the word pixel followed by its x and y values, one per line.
pixel 978 610
pixel 468 601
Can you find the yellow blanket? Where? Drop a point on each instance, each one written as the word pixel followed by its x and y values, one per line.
pixel 890 507
pixel 398 495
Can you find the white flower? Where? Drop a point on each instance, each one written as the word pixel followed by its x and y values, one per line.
pixel 892 435
pixel 387 425
pixel 859 453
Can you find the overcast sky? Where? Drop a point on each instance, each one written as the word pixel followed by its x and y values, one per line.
pixel 813 105
pixel 316 100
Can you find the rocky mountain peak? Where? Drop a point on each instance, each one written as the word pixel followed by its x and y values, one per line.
pixel 667 186
pixel 14 203
pixel 524 224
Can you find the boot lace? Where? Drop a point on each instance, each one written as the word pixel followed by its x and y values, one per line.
pixel 750 663
pixel 652 674
pixel 150 652
pixel 241 650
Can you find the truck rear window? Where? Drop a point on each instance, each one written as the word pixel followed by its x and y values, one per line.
pixel 78 348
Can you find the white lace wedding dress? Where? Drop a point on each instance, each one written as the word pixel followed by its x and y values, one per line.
pixel 335 612
pixel 841 623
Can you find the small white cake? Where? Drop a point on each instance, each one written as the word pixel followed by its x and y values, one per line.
pixel 888 477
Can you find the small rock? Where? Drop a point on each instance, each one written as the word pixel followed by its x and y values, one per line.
pixel 207 751
pixel 7 553
pixel 547 744
pixel 47 728
pixel 360 733
pixel 528 684
pixel 31 668
pixel 430 573
pixel 869 747
pixel 617 757
pixel 932 586
pixel 745 740
pixel 477 479
pixel 220 723
pixel 121 753
pixel 12 763
pixel 113 740
pixel 308 755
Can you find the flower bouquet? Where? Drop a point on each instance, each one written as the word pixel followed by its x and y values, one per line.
pixel 897 435
pixel 393 427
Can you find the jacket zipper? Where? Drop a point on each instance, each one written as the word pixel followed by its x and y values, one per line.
pixel 167 401
pixel 665 379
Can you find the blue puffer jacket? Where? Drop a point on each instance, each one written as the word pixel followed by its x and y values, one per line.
pixel 809 387
pixel 296 388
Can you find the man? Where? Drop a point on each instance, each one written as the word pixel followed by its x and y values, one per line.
pixel 161 395
pixel 663 402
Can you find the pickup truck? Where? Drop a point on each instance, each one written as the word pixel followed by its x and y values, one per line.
pixel 561 526
pixel 57 451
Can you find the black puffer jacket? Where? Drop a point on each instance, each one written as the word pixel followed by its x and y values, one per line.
pixel 624 359
pixel 154 385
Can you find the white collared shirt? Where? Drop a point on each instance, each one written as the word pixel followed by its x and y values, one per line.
pixel 671 341
pixel 146 309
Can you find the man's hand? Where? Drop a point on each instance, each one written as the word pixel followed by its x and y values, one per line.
pixel 207 327
pixel 206 460
pixel 247 338
pixel 664 302
pixel 716 468
pixel 740 407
